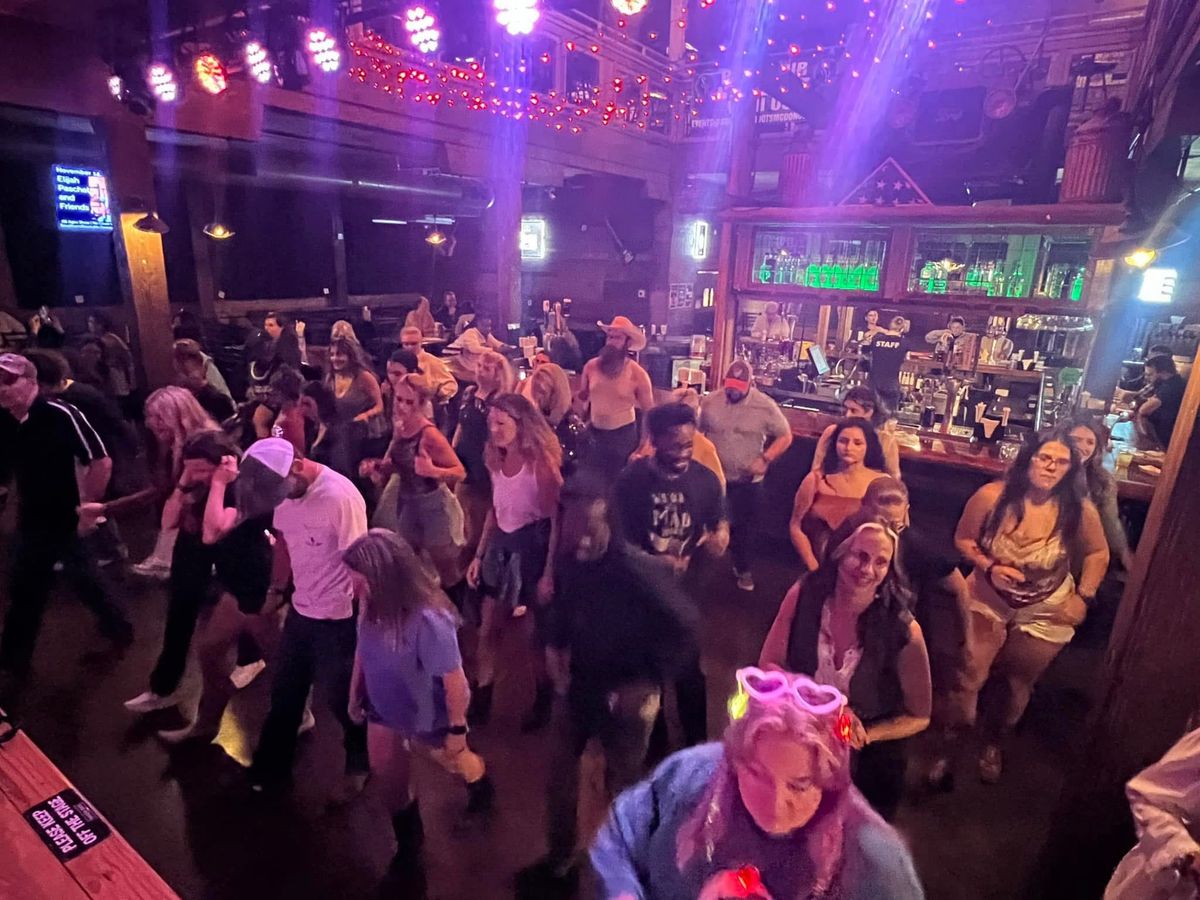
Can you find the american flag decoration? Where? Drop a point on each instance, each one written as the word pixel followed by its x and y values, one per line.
pixel 888 185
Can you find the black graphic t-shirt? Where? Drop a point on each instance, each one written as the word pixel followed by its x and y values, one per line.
pixel 666 514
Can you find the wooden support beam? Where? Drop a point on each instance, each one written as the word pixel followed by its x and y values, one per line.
pixel 1150 685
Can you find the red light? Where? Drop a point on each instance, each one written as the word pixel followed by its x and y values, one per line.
pixel 210 73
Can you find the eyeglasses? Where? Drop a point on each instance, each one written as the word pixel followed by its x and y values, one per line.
pixel 1047 460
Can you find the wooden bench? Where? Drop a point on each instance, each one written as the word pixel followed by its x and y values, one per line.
pixel 105 866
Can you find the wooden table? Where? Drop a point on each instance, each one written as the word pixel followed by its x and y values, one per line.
pixel 109 869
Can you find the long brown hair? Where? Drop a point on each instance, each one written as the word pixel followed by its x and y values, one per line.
pixel 535 441
pixel 1099 481
pixel 353 351
pixel 400 581
pixel 1069 493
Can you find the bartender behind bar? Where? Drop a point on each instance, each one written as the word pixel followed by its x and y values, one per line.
pixel 887 350
pixel 944 339
pixel 771 326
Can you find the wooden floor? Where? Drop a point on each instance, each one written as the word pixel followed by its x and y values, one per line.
pixel 30 870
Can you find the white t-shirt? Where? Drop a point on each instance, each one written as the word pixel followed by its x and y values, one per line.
pixel 317 528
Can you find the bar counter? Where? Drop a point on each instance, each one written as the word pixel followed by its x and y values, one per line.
pixel 977 459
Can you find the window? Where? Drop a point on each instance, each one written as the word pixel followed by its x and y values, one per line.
pixel 837 261
pixel 983 265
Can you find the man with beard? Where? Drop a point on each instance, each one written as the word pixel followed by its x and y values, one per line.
pixel 750 433
pixel 615 387
pixel 42 441
pixel 668 506
pixel 621 627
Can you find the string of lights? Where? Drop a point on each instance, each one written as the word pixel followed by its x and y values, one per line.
pixel 640 100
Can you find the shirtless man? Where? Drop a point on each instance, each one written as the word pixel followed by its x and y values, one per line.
pixel 615 387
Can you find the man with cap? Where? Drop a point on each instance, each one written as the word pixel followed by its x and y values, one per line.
pixel 614 387
pixel 318 514
pixel 42 442
pixel 750 433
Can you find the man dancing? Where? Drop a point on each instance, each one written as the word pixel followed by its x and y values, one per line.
pixel 318 514
pixel 615 388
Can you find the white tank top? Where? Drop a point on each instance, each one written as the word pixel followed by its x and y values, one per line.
pixel 515 499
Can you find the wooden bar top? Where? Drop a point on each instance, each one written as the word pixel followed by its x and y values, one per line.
pixel 109 869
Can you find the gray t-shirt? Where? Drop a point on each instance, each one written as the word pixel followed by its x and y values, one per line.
pixel 741 430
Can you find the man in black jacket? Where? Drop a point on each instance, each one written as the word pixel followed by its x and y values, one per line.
pixel 621 628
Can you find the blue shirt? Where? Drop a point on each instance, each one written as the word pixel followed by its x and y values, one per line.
pixel 404 671
pixel 634 852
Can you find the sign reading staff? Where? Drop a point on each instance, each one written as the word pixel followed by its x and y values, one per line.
pixel 67 824
pixel 81 201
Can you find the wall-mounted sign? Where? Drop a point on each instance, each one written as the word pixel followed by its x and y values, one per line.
pixel 681 296
pixel 533 237
pixel 698 233
pixel 1158 285
pixel 81 201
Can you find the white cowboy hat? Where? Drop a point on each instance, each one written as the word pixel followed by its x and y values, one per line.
pixel 637 338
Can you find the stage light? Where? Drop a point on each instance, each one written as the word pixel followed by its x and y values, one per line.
pixel 436 238
pixel 323 50
pixel 210 73
pixel 116 86
pixel 517 16
pixel 628 7
pixel 258 62
pixel 422 29
pixel 217 231
pixel 1141 257
pixel 161 80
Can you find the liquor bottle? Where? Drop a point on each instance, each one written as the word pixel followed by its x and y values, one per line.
pixel 1077 285
pixel 1016 286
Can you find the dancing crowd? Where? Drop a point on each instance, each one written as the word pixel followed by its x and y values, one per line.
pixel 352 533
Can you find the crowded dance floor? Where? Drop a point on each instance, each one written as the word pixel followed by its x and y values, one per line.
pixel 599 448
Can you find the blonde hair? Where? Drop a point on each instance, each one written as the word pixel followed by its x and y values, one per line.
pixel 507 378
pixel 179 408
pixel 560 389
pixel 535 440
pixel 400 582
pixel 418 384
pixel 342 329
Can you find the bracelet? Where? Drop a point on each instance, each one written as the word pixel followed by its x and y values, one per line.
pixel 457 730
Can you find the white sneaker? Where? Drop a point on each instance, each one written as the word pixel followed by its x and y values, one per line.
pixel 152 568
pixel 308 723
pixel 150 701
pixel 242 676
pixel 185 734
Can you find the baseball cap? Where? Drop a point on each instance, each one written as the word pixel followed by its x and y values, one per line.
pixel 263 476
pixel 16 364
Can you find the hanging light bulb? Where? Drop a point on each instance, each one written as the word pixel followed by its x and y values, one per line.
pixel 218 231
pixel 258 61
pixel 116 86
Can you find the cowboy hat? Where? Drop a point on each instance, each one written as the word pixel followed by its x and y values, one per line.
pixel 637 338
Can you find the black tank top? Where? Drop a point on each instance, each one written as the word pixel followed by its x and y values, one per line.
pixel 404 458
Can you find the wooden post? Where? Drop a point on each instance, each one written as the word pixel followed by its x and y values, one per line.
pixel 202 251
pixel 724 315
pixel 139 254
pixel 1150 685
pixel 337 234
